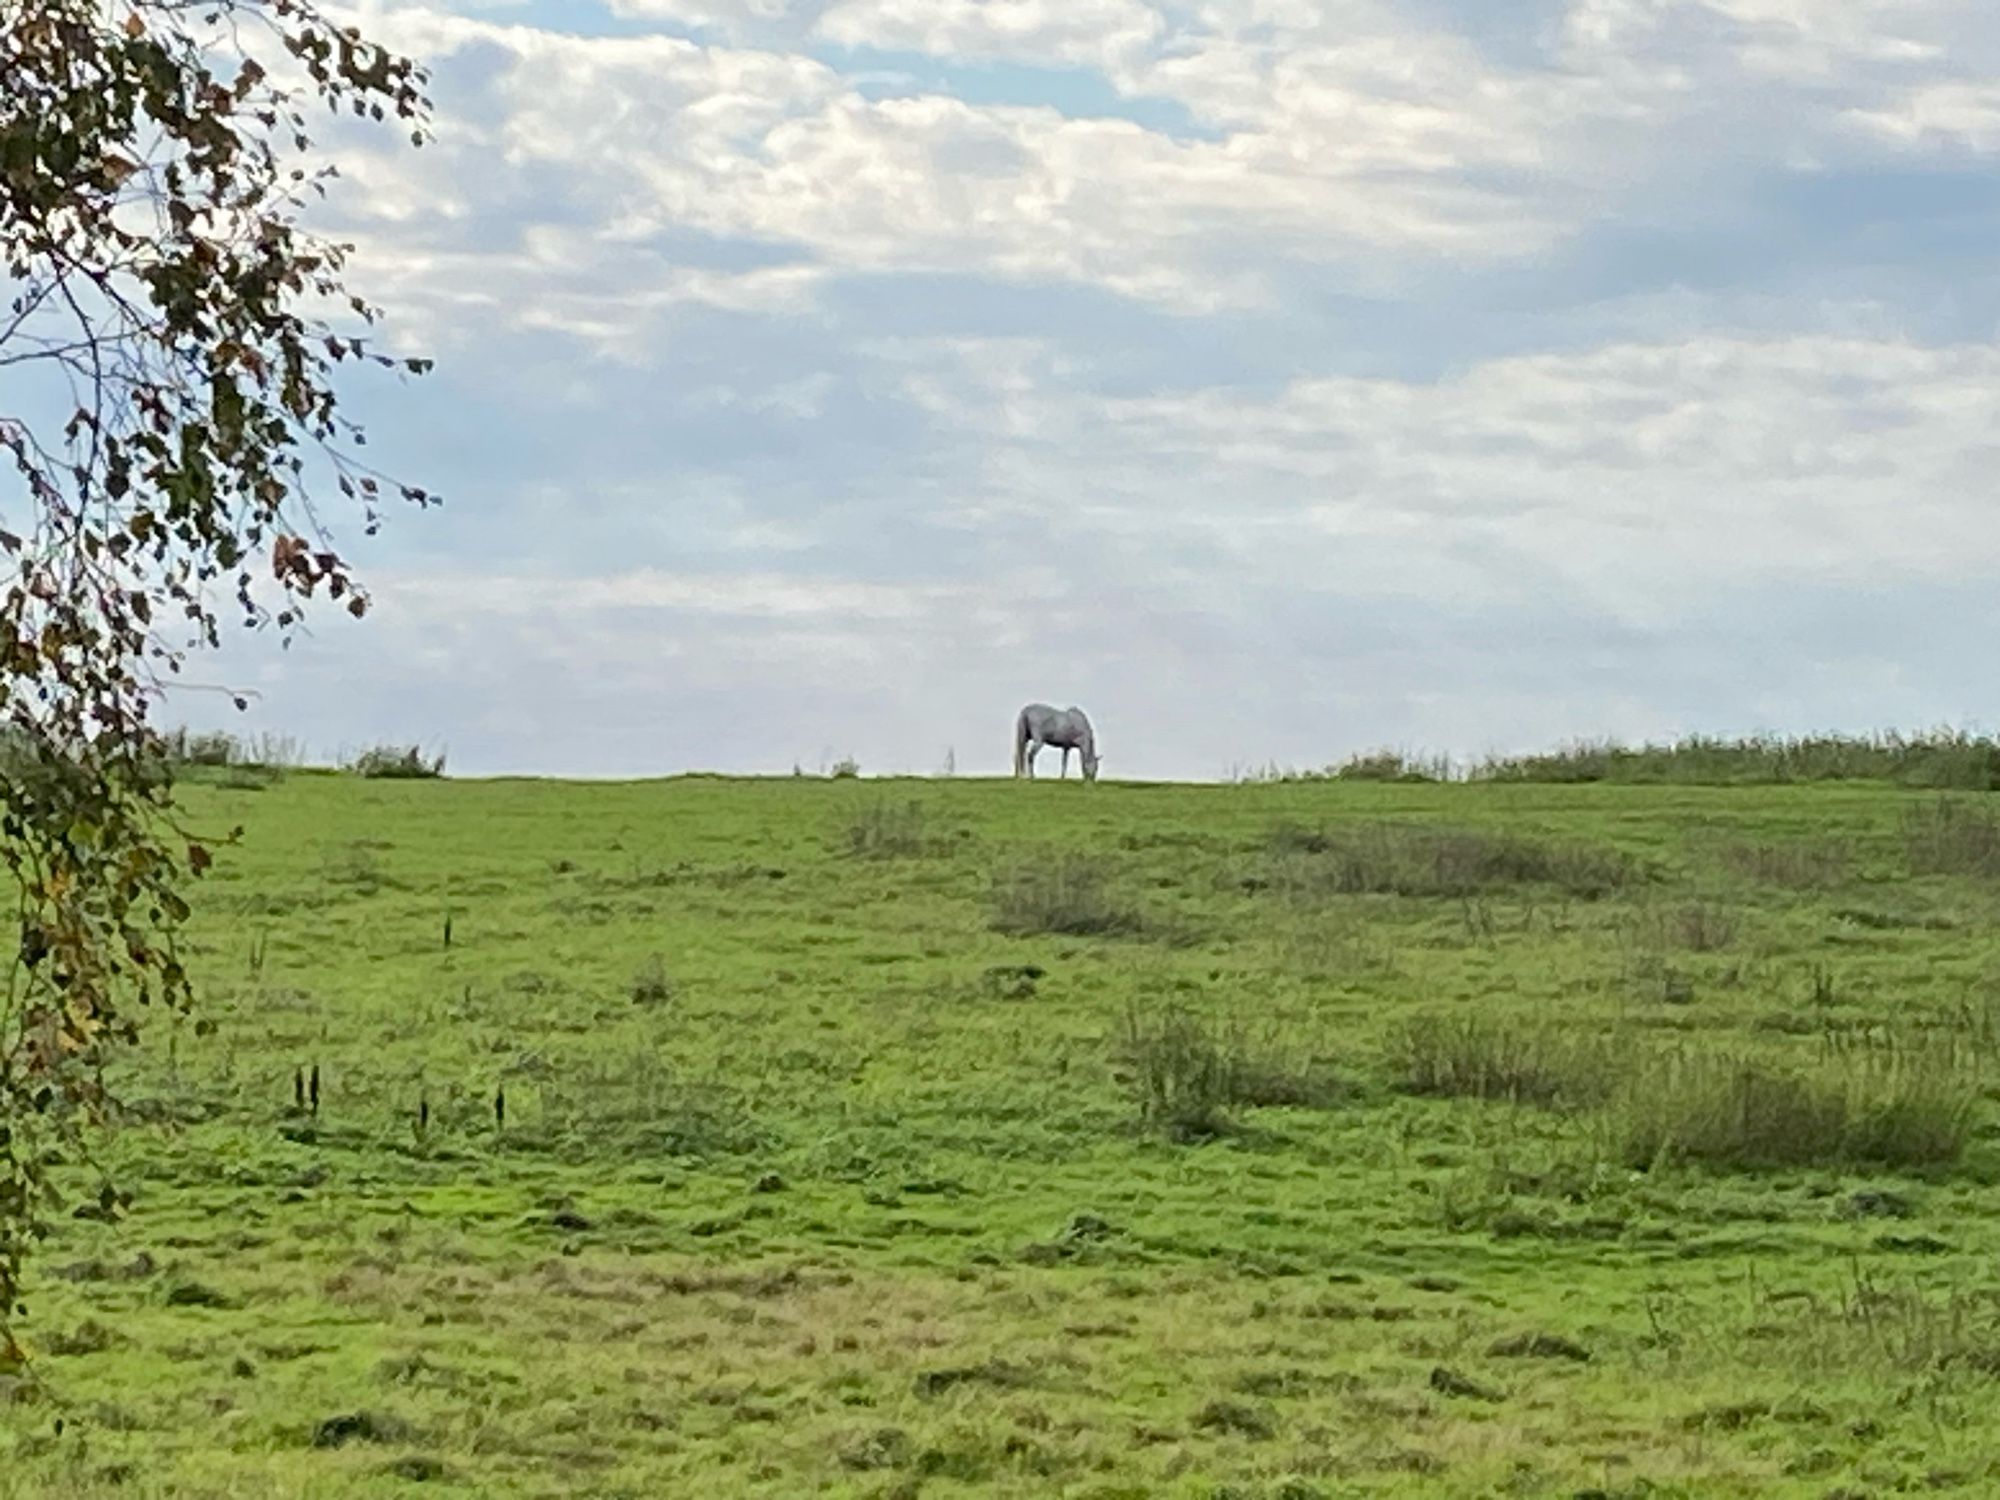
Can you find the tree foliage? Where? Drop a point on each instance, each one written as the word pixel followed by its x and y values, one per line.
pixel 171 339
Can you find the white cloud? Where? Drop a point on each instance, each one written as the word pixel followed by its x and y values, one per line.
pixel 1360 165
pixel 588 288
pixel 1100 33
pixel 1802 40
pixel 731 16
pixel 1347 141
pixel 722 596
pixel 1800 71
pixel 1638 474
pixel 1964 115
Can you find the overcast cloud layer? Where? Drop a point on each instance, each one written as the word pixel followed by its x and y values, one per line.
pixel 1275 378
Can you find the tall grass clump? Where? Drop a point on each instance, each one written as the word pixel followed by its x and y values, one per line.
pixel 396 763
pixel 1911 1106
pixel 219 749
pixel 1402 859
pixel 887 830
pixel 1476 1056
pixel 1322 942
pixel 1394 765
pixel 1943 758
pixel 651 985
pixel 1060 891
pixel 1185 1074
pixel 187 747
pixel 1951 836
pixel 1902 1326
pixel 1792 864
pixel 1687 926
pixel 1373 765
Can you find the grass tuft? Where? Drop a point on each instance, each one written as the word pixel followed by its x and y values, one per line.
pixel 1951 836
pixel 217 749
pixel 1906 1107
pixel 651 985
pixel 1789 864
pixel 1936 758
pixel 1061 892
pixel 1477 1056
pixel 1186 1074
pixel 1401 859
pixel 883 829
pixel 1404 766
pixel 397 763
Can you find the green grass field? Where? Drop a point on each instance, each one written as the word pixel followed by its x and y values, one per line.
pixel 971 1138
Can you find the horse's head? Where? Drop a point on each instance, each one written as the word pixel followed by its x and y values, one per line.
pixel 1090 761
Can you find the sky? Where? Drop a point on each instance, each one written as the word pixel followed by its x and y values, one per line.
pixel 1276 379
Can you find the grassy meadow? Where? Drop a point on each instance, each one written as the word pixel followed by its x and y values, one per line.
pixel 958 1138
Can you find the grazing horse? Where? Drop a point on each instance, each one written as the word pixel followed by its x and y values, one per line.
pixel 1065 728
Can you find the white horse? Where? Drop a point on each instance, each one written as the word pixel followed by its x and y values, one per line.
pixel 1065 728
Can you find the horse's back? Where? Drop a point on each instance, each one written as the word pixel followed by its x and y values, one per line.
pixel 1054 726
pixel 1071 726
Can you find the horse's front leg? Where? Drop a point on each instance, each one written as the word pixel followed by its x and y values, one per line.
pixel 1065 765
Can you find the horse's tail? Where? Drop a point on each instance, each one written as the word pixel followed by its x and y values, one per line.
pixel 1021 742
